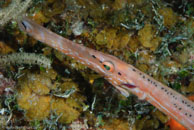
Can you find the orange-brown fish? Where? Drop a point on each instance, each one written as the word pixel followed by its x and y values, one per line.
pixel 123 76
pixel 174 125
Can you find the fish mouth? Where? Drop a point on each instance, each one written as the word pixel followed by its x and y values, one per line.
pixel 25 25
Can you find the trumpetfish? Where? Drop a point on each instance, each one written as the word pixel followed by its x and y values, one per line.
pixel 124 77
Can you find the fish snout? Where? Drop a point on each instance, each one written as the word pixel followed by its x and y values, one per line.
pixel 25 25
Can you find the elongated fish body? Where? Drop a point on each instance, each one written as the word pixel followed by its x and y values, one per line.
pixel 123 76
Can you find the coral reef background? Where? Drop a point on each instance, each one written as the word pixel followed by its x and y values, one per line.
pixel 14 11
pixel 155 36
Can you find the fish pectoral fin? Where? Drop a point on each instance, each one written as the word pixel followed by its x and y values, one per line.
pixel 123 91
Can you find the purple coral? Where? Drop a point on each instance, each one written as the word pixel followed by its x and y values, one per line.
pixel 6 85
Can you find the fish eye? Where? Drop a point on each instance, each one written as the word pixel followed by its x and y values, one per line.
pixel 108 66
